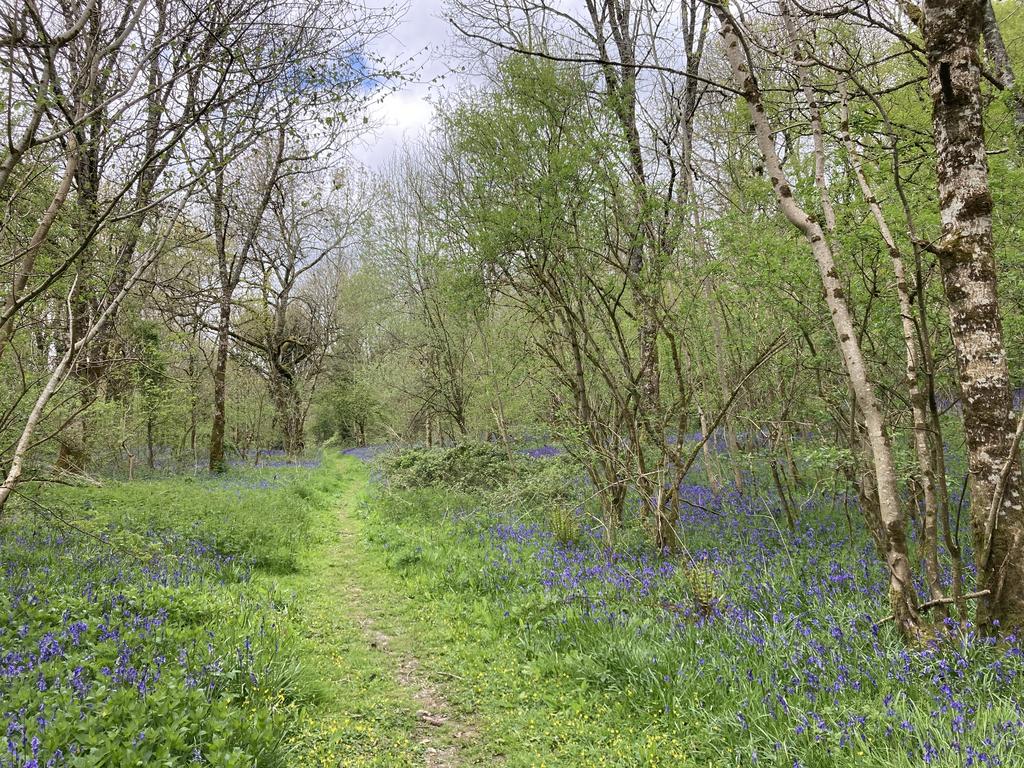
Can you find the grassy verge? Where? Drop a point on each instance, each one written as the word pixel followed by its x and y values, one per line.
pixel 228 621
pixel 187 621
pixel 759 651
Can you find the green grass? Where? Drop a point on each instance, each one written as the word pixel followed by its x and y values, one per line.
pixel 262 515
pixel 530 709
pixel 550 681
pixel 362 716
pixel 310 566
pixel 325 558
pixel 197 621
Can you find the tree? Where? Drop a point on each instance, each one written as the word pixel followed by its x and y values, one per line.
pixel 119 114
pixel 893 526
pixel 288 324
pixel 952 30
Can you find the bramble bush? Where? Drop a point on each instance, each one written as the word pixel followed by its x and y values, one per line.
pixel 540 483
pixel 466 466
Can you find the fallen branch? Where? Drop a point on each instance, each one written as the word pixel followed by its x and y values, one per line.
pixel 939 601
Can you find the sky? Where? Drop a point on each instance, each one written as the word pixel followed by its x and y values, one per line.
pixel 404 114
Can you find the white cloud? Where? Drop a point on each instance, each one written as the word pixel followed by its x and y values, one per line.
pixel 419 42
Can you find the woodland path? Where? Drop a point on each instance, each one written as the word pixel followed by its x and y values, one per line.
pixel 357 630
pixel 438 732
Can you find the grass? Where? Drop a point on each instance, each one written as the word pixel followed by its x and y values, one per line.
pixel 261 515
pixel 190 621
pixel 574 655
pixel 230 621
pixel 363 717
pixel 533 709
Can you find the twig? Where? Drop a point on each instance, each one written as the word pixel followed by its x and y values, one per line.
pixel 584 59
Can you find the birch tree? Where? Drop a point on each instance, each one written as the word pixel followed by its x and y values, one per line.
pixel 902 597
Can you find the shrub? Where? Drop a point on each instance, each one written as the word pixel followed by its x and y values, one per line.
pixel 546 483
pixel 467 466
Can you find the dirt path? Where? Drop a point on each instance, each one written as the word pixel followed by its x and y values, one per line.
pixel 439 730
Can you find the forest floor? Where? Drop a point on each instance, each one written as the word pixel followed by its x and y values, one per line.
pixel 419 663
pixel 308 616
pixel 413 583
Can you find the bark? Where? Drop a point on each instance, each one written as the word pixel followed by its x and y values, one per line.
pixel 230 269
pixel 74 452
pixel 39 237
pixel 863 480
pixel 783 500
pixel 951 537
pixel 966 256
pixel 150 448
pixel 225 273
pixel 814 110
pixel 995 49
pixel 288 404
pixel 901 591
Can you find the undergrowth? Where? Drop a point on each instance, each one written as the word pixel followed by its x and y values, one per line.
pixel 138 625
pixel 753 646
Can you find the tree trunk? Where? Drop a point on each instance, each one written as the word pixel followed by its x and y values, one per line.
pixel 220 370
pixel 773 464
pixel 650 370
pixel 995 49
pixel 73 454
pixel 966 256
pixel 24 270
pixel 922 448
pixel 57 380
pixel 901 589
pixel 150 451
pixel 287 403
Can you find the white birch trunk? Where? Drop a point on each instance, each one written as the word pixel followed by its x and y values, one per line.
pixel 901 591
